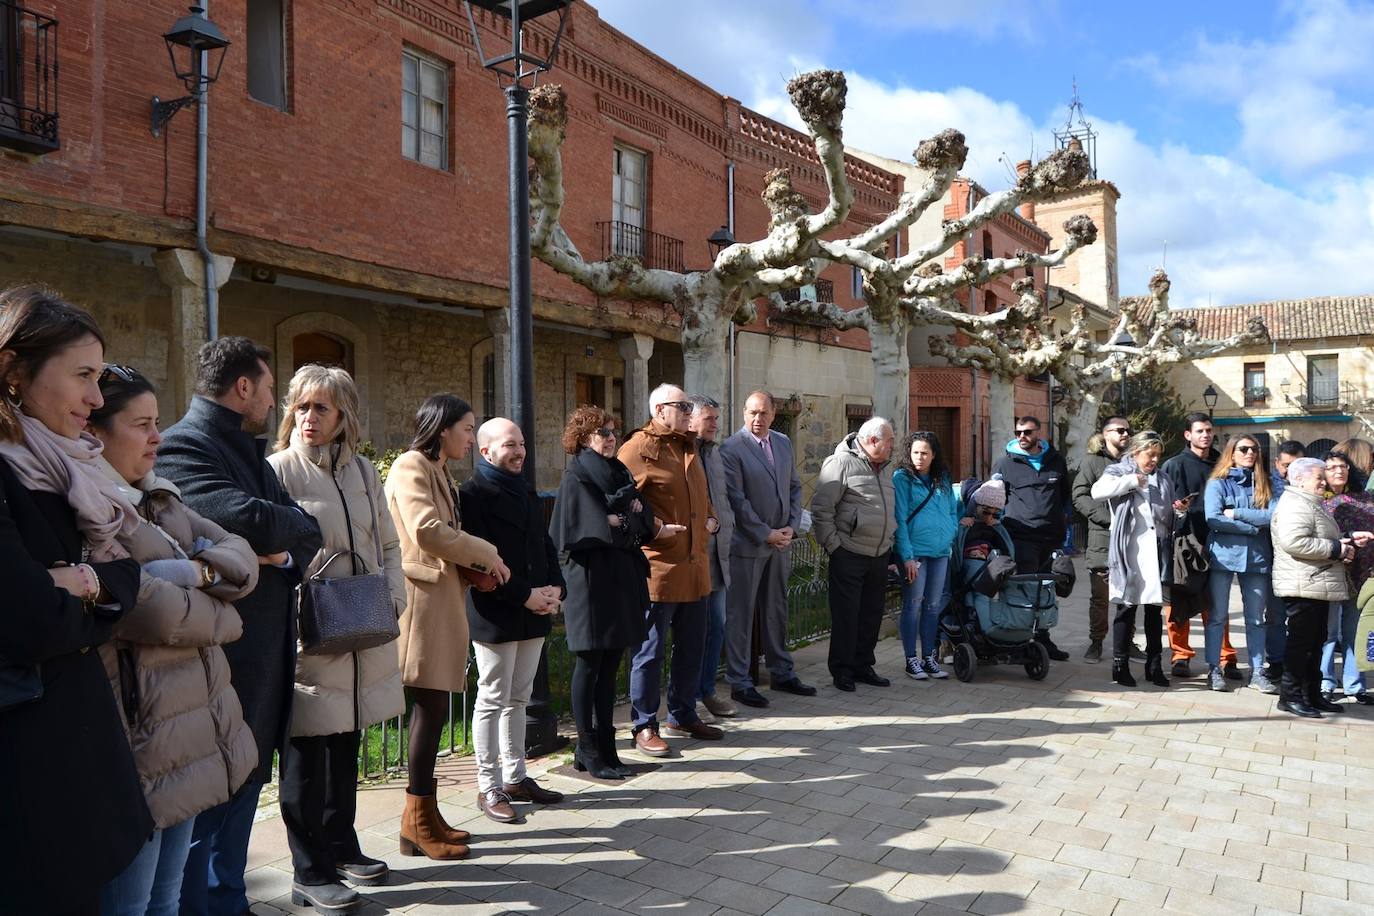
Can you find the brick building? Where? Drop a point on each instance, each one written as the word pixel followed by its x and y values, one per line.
pixel 357 206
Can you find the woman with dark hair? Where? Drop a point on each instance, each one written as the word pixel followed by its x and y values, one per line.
pixel 1360 454
pixel 1353 509
pixel 927 519
pixel 599 523
pixel 1238 504
pixel 191 745
pixel 67 770
pixel 434 626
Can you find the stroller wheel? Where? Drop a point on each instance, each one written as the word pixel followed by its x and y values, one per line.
pixel 965 662
pixel 1039 665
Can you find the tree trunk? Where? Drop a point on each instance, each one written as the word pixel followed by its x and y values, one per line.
pixel 1082 424
pixel 891 374
pixel 1001 413
pixel 705 348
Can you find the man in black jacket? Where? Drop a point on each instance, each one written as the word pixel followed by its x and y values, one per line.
pixel 215 457
pixel 1189 471
pixel 508 625
pixel 1116 432
pixel 1038 488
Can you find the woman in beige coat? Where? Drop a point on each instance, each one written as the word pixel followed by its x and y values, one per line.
pixel 191 745
pixel 434 627
pixel 337 695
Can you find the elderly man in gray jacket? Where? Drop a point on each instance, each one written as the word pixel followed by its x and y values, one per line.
pixel 852 515
pixel 705 422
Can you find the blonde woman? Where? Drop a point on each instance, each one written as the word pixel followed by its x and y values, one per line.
pixel 337 695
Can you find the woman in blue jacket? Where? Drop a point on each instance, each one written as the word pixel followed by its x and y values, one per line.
pixel 1238 503
pixel 927 518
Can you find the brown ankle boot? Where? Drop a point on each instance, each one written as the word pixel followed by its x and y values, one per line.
pixel 452 834
pixel 423 833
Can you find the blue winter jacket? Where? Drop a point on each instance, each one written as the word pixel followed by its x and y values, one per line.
pixel 1242 543
pixel 930 533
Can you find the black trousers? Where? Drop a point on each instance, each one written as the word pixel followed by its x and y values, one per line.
pixel 319 799
pixel 857 589
pixel 593 689
pixel 1035 556
pixel 1307 618
pixel 1123 629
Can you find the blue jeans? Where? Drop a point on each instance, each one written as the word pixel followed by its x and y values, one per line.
pixel 213 884
pixel 151 884
pixel 686 621
pixel 922 602
pixel 1342 624
pixel 1254 592
pixel 715 641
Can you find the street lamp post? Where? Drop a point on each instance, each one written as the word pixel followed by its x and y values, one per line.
pixel 1209 397
pixel 518 69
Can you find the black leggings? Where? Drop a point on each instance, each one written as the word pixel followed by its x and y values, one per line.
pixel 428 716
pixel 1123 628
pixel 593 688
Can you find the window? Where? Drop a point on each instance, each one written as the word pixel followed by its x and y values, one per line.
pixel 28 79
pixel 856 283
pixel 1323 381
pixel 987 245
pixel 267 52
pixel 629 171
pixel 989 301
pixel 856 415
pixel 1256 392
pixel 322 349
pixel 591 389
pixel 424 109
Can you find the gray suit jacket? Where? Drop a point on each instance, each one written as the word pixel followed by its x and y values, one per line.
pixel 763 496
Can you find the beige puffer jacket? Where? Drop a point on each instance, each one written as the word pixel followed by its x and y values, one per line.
pixel 853 504
pixel 1307 549
pixel 350 691
pixel 190 742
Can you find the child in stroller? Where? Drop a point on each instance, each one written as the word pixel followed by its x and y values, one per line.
pixel 995 612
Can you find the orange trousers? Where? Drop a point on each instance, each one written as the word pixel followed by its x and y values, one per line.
pixel 1178 639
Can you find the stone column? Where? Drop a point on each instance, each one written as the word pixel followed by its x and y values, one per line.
pixel 498 323
pixel 184 273
pixel 636 350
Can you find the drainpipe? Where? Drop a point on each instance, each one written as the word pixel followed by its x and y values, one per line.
pixel 207 258
pixel 972 371
pixel 730 355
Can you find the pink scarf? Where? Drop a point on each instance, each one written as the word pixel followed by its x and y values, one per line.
pixel 50 463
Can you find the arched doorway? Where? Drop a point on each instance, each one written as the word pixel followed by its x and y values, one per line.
pixel 325 349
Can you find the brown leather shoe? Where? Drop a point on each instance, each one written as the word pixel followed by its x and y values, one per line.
pixel 529 790
pixel 422 831
pixel 495 804
pixel 699 730
pixel 648 742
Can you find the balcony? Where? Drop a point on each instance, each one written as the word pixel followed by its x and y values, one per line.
pixel 822 291
pixel 654 251
pixel 1324 396
pixel 1256 396
pixel 28 79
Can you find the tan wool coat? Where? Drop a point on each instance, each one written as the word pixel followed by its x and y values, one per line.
pixel 348 691
pixel 669 472
pixel 169 674
pixel 433 647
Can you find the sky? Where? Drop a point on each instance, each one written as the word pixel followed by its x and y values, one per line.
pixel 1239 133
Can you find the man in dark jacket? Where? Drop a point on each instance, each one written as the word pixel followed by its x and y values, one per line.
pixel 215 457
pixel 1115 434
pixel 508 624
pixel 1038 487
pixel 1189 471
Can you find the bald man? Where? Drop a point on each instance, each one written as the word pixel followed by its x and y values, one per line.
pixel 507 625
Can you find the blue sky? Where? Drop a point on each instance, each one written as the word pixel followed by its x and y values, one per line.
pixel 1240 133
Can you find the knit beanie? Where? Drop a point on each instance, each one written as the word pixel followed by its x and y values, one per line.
pixel 993 493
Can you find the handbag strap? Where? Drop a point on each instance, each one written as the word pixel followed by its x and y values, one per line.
pixel 348 519
pixel 930 494
pixel 372 507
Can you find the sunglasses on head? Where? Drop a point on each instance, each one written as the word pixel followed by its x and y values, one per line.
pixel 123 373
pixel 605 432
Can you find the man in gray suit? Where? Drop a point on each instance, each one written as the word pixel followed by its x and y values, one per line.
pixel 765 494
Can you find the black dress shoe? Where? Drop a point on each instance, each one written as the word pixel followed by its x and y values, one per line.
pixel 872 678
pixel 844 682
pixel 1056 654
pixel 1298 708
pixel 749 697
pixel 794 685
pixel 1364 699
pixel 1323 702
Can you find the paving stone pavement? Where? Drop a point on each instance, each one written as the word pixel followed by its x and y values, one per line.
pixel 1004 795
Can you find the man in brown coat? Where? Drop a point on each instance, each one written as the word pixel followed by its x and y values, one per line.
pixel 662 457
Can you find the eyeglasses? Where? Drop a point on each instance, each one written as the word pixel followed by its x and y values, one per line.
pixel 1123 430
pixel 989 510
pixel 680 405
pixel 123 373
pixel 1246 449
pixel 1022 433
pixel 605 432
pixel 1333 468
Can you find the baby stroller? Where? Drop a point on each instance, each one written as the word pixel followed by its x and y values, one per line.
pixel 994 613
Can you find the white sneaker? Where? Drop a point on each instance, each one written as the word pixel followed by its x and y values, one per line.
pixel 932 667
pixel 914 669
pixel 704 714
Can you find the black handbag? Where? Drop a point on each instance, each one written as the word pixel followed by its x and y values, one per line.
pixel 348 613
pixel 19 684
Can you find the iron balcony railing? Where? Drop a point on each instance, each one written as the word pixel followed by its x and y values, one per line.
pixel 1324 395
pixel 28 79
pixel 820 291
pixel 653 249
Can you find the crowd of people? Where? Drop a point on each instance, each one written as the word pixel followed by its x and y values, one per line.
pixel 183 558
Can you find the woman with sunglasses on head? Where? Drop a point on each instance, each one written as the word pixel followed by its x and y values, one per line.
pixel 72 808
pixel 599 523
pixel 1238 504
pixel 191 745
pixel 1144 512
pixel 927 518
pixel 1353 509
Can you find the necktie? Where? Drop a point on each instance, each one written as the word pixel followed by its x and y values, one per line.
pixel 768 449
